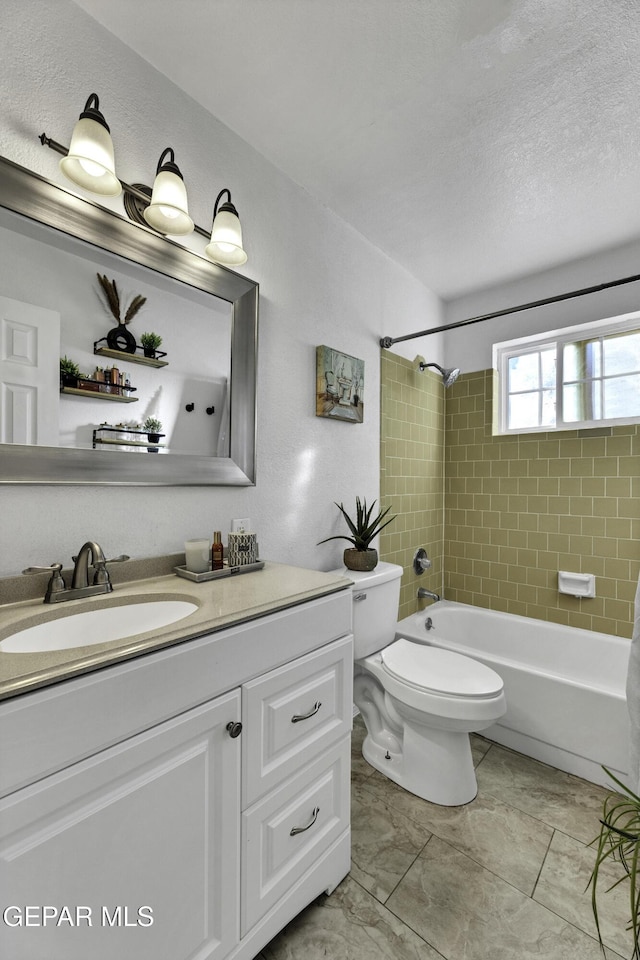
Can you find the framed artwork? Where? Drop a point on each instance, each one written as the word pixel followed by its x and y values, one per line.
pixel 339 385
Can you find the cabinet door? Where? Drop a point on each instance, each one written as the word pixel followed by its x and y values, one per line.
pixel 292 714
pixel 139 845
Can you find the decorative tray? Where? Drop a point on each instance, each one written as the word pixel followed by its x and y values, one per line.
pixel 226 571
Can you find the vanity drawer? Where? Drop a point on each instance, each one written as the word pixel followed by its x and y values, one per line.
pixel 293 713
pixel 285 833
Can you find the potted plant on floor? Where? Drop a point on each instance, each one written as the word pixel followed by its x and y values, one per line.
pixel 361 556
pixel 619 842
pixel 119 338
pixel 150 343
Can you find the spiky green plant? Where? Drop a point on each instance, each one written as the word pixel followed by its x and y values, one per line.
pixel 363 528
pixel 619 842
pixel 112 296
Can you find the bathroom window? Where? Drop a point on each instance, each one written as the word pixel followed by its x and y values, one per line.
pixel 582 376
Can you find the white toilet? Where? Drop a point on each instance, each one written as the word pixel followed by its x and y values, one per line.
pixel 419 702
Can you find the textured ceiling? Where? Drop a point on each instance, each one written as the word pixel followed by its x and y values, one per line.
pixel 471 140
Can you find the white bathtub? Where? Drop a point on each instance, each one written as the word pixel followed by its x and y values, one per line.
pixel 565 687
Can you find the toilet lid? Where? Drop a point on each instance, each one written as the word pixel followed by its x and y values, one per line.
pixel 440 671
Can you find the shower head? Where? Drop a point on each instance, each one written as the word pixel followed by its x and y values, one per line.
pixel 449 376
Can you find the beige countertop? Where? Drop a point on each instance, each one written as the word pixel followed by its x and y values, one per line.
pixel 221 603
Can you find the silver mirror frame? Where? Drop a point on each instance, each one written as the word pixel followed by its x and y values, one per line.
pixel 31 195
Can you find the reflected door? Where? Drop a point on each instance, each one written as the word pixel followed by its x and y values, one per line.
pixel 29 373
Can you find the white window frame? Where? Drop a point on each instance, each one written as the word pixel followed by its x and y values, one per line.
pixel 502 352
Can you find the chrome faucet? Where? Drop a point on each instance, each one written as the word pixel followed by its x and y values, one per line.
pixel 424 594
pixel 57 590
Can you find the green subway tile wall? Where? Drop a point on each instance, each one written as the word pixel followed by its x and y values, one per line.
pixel 516 509
pixel 412 472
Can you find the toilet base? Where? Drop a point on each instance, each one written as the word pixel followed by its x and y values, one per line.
pixel 436 765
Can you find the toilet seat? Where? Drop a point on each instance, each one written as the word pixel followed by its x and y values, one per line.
pixel 439 672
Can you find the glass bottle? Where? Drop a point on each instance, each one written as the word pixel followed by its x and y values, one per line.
pixel 217 551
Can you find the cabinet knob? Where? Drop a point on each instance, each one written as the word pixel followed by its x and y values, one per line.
pixel 234 728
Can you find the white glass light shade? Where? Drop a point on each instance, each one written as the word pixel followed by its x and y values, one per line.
pixel 225 245
pixel 167 212
pixel 90 162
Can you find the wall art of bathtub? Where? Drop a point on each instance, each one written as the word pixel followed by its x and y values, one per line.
pixel 565 687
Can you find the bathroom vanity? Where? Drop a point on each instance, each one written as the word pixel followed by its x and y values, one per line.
pixel 182 796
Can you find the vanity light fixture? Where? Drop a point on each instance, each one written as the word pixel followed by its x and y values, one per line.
pixel 225 245
pixel 89 163
pixel 90 160
pixel 167 213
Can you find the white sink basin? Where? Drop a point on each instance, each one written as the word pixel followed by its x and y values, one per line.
pixel 97 626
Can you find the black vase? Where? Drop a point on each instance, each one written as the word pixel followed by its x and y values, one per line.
pixel 153 438
pixel 120 338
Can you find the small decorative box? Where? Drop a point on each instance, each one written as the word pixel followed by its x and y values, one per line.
pixel 242 548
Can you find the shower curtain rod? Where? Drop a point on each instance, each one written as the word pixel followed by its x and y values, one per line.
pixel 386 342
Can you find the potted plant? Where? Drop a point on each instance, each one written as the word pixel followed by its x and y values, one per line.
pixel 119 338
pixel 69 372
pixel 150 343
pixel 152 426
pixel 361 556
pixel 619 842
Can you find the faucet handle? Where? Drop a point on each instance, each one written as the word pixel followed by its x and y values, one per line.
pixel 56 583
pixel 102 574
pixel 54 568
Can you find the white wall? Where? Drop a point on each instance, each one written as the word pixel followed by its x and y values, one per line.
pixel 470 347
pixel 321 283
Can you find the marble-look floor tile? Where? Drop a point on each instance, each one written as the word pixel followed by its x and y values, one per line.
pixel 348 925
pixel 559 799
pixel 384 843
pixel 468 913
pixel 562 888
pixel 505 840
pixel 360 769
pixel 479 748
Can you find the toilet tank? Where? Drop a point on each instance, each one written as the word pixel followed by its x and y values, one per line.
pixel 376 595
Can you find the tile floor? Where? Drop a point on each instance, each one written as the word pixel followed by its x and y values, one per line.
pixel 502 878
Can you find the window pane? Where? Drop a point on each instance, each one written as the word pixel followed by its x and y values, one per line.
pixel 622 354
pixel 548 408
pixel 581 401
pixel 548 363
pixel 581 359
pixel 622 396
pixel 523 372
pixel 523 410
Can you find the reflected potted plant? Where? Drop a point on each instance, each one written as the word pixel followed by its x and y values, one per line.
pixel 361 556
pixel 619 842
pixel 69 372
pixel 152 426
pixel 120 338
pixel 150 343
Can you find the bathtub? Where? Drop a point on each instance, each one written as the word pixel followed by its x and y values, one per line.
pixel 565 687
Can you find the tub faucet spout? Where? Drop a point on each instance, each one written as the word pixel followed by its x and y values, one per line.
pixel 424 594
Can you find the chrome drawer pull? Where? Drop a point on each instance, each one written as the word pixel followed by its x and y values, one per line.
pixel 297 717
pixel 296 830
pixel 359 596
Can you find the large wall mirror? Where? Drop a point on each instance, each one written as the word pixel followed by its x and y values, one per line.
pixel 201 385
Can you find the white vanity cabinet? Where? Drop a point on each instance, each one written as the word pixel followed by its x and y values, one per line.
pixel 136 821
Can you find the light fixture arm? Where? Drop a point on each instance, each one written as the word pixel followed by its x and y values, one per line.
pixel 227 206
pixel 132 190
